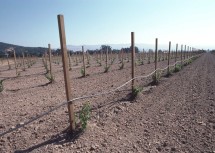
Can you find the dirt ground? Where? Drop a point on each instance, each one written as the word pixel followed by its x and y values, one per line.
pixel 176 116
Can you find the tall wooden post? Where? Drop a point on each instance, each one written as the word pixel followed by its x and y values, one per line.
pixel 23 61
pixel 168 70
pixel 176 54
pixel 156 56
pixel 187 51
pixel 76 58
pixel 84 67
pixel 106 60
pixel 132 59
pixel 14 53
pixel 122 56
pixel 50 59
pixel 70 62
pixel 181 55
pixel 8 62
pixel 88 58
pixel 100 56
pixel 184 51
pixel 66 71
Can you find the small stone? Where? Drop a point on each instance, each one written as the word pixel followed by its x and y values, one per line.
pixel 86 145
pixel 159 123
pixel 78 146
pixel 92 148
pixel 173 149
pixel 158 148
pixel 21 123
pixel 104 144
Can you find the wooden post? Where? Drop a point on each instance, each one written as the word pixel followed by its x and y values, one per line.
pixel 106 61
pixel 176 54
pixel 76 58
pixel 8 62
pixel 14 53
pixel 66 71
pixel 187 51
pixel 184 51
pixel 132 60
pixel 88 58
pixel 168 70
pixel 50 59
pixel 122 54
pixel 149 56
pixel 156 55
pixel 70 62
pixel 23 61
pixel 84 61
pixel 100 56
pixel 181 55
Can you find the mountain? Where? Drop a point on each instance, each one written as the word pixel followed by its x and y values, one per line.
pixel 36 51
pixel 146 47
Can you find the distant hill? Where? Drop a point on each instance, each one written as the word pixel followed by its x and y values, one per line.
pixel 36 51
pixel 146 47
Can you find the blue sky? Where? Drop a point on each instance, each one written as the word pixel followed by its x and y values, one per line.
pixel 91 22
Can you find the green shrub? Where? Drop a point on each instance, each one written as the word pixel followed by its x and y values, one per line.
pixel 84 115
pixel 136 91
pixel 177 68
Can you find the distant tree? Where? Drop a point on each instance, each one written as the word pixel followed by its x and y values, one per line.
pixel 127 50
pixel 105 47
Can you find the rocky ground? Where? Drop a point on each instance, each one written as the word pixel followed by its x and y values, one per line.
pixel 178 115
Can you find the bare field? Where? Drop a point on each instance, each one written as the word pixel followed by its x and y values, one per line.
pixel 175 116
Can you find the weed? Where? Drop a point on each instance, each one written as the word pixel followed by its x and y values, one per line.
pixel 122 66
pixel 50 77
pixel 18 74
pixel 106 69
pixel 84 115
pixel 1 86
pixel 142 62
pixel 156 77
pixel 149 61
pixel 82 72
pixel 112 61
pixel 177 68
pixel 99 62
pixel 136 90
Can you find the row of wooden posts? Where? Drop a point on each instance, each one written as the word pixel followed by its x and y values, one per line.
pixel 66 64
pixel 18 62
pixel 78 58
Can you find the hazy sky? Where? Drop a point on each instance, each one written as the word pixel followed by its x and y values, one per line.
pixel 34 22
